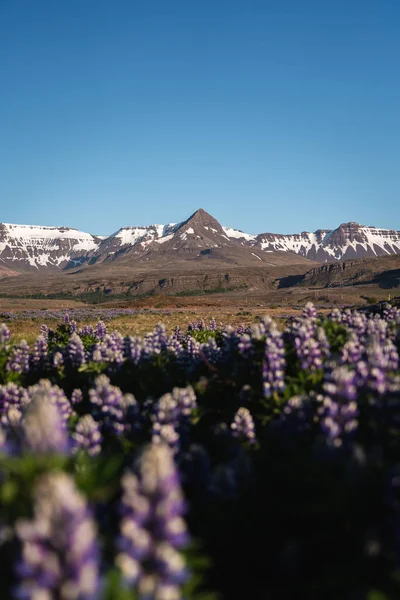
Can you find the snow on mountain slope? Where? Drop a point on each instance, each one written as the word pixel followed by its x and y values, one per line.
pixel 349 240
pixel 36 246
pixel 237 234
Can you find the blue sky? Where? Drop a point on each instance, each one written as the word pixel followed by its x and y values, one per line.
pixel 275 116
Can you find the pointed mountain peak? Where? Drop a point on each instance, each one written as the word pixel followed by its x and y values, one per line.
pixel 201 219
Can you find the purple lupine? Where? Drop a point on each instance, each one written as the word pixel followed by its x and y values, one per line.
pixel 40 353
pixel 44 429
pixel 193 348
pixel 54 394
pixel 274 363
pixel 310 344
pixel 66 319
pixel 75 351
pixel 13 401
pixel 175 346
pixel 110 349
pixel 111 406
pixel 101 330
pixel 210 350
pixel 58 360
pixel 374 370
pixel 243 426
pixel 341 383
pixel 60 555
pixel 171 416
pixel 18 361
pixel 4 335
pixel 86 330
pixel 152 529
pixel 155 341
pixel 336 315
pixel 44 330
pixel 178 334
pixel 165 421
pixel 352 350
pixel 310 312
pixel 245 346
pixel 76 396
pixel 87 436
pixel 133 348
pixel 338 409
pixel 391 314
pixel 12 394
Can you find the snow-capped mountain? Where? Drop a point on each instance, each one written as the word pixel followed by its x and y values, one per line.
pixel 25 246
pixel 200 237
pixel 349 240
pixel 59 248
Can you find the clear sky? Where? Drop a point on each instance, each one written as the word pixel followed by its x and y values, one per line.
pixel 277 116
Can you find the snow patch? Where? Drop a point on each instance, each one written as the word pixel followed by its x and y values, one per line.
pixel 237 234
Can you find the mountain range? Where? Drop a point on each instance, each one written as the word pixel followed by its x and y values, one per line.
pixel 199 239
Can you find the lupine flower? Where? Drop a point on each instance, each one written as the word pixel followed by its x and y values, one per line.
pixel 341 383
pixel 54 394
pixel 44 330
pixel 133 347
pixel 58 360
pixel 4 335
pixel 76 396
pixel 87 436
pixel 379 359
pixel 101 330
pixel 40 351
pixel 245 346
pixel 86 330
pixel 60 557
pixel 310 343
pixel 12 395
pixel 352 350
pixel 75 351
pixel 243 425
pixel 44 429
pixel 213 325
pixel 111 404
pixel 171 416
pixel 110 349
pixel 13 401
pixel 339 411
pixel 66 319
pixel 18 360
pixel 211 350
pixel 273 369
pixel 152 528
pixel 310 312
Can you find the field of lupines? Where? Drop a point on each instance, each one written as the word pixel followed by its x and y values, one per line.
pixel 77 314
pixel 212 463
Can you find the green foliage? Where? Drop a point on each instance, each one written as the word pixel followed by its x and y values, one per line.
pixel 336 333
pixel 204 335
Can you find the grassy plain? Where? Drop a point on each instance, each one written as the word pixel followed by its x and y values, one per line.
pixel 230 308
